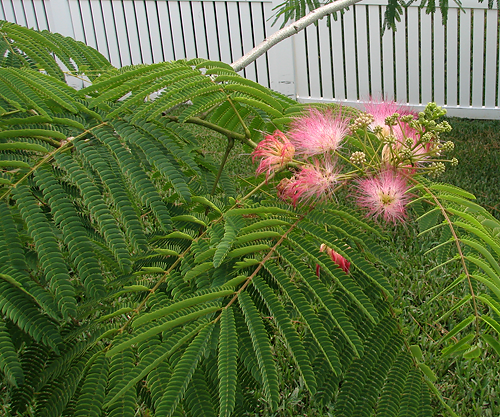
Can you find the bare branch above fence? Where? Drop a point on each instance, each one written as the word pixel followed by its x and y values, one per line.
pixel 290 30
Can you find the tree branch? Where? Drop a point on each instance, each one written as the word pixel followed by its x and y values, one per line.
pixel 290 30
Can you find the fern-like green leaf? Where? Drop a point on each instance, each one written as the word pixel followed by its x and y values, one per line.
pixel 9 361
pixel 47 247
pixel 262 349
pixel 227 363
pixel 284 324
pixel 183 372
pixel 305 310
pixel 91 398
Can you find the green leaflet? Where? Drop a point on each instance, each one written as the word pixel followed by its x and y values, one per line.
pixel 121 365
pixel 198 397
pixel 326 299
pixel 161 328
pixel 492 323
pixel 91 397
pixel 46 244
pixel 9 361
pixel 188 218
pixel 284 324
pixel 250 237
pixel 58 393
pixel 246 250
pixel 205 202
pixel 263 224
pixel 227 363
pixel 189 302
pixel 305 310
pixel 495 279
pixel 456 306
pixel 258 211
pixel 199 269
pixel 458 328
pixel 462 345
pixel 23 146
pixel 262 349
pixel 452 190
pixel 154 358
pixel 256 93
pixel 382 344
pixel 231 228
pixel 183 372
pixel 490 301
pixel 74 233
pixel 256 103
pixel 346 283
pixel 495 345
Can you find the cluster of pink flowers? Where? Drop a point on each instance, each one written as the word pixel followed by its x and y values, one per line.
pixel 391 143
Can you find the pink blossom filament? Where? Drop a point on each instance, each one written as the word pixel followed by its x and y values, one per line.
pixel 384 196
pixel 275 152
pixel 318 132
pixel 312 181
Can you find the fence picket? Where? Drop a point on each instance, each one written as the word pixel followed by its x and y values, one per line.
pixel 313 67
pixel 325 60
pixel 439 62
pixel 413 56
pixel 426 56
pixel 362 42
pixel 452 58
pixel 223 32
pixel 464 51
pixel 99 26
pixel 375 38
pixel 491 64
pixel 155 37
pixel 401 60
pixel 19 12
pixel 477 58
pixel 338 60
pixel 351 69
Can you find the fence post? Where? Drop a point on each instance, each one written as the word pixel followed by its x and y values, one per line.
pixel 281 58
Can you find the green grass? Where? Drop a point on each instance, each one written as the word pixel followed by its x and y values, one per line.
pixel 472 388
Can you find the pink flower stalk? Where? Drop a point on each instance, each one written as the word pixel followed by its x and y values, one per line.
pixel 380 110
pixel 275 150
pixel 342 262
pixel 316 180
pixel 318 132
pixel 384 196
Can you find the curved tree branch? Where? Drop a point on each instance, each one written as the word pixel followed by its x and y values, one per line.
pixel 290 30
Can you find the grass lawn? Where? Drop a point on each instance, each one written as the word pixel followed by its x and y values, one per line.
pixel 471 387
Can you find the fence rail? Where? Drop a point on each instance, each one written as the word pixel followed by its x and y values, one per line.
pixel 455 65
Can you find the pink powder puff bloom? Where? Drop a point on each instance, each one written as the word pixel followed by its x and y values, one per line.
pixel 275 150
pixel 318 132
pixel 384 196
pixel 312 181
pixel 342 262
pixel 380 110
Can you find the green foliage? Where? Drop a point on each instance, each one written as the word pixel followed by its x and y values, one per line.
pixel 133 280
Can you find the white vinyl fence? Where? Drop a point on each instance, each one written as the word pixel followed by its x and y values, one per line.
pixel 456 65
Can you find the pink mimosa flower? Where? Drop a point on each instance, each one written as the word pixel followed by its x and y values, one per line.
pixel 384 196
pixel 318 132
pixel 313 181
pixel 342 262
pixel 380 110
pixel 275 150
